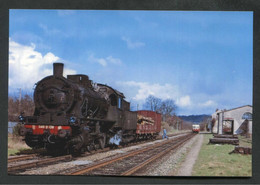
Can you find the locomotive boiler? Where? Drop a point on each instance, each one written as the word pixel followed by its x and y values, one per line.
pixel 73 114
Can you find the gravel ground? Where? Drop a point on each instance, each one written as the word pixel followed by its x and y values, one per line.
pixel 51 169
pixel 187 165
pixel 169 164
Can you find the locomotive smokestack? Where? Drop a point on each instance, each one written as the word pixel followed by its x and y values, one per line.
pixel 58 69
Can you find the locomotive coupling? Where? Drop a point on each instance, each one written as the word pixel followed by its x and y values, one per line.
pixel 62 133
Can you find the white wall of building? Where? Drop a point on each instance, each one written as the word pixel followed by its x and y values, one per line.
pixel 236 115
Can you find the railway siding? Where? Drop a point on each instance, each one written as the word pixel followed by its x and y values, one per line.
pixel 169 164
pixel 90 158
pixel 37 163
pixel 129 163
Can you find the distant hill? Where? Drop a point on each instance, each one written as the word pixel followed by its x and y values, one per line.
pixel 195 118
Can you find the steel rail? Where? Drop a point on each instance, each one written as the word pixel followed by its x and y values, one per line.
pixel 28 165
pixel 18 158
pixel 134 169
pixel 38 163
pixel 117 158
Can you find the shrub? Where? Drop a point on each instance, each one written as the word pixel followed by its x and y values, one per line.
pixel 16 129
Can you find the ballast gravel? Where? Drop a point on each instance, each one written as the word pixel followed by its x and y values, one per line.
pixel 160 168
pixel 170 163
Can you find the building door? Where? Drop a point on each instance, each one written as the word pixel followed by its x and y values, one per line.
pixel 228 127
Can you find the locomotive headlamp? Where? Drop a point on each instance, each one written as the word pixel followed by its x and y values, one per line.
pixel 21 118
pixel 72 120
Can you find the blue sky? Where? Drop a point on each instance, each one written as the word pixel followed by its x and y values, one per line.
pixel 201 60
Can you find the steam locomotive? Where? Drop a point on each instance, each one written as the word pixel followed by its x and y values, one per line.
pixel 73 115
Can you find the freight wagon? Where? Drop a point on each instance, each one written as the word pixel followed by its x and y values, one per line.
pixel 148 124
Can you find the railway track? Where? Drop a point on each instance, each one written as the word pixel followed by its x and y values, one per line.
pixel 12 168
pixel 150 158
pixel 127 164
pixel 21 163
pixel 21 158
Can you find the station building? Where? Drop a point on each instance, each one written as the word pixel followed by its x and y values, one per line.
pixel 234 121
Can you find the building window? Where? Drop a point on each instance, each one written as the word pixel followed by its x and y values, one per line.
pixel 247 116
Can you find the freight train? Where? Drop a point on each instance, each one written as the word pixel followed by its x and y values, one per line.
pixel 74 114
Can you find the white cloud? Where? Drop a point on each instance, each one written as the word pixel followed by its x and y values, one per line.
pixel 112 60
pixel 208 103
pixel 104 61
pixel 144 89
pixel 137 92
pixel 49 58
pixel 27 66
pixel 184 101
pixel 131 44
pixel 50 31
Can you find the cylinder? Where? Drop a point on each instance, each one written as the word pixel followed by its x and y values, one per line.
pixel 58 69
pixel 22 131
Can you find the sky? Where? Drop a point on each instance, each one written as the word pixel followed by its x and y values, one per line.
pixel 203 60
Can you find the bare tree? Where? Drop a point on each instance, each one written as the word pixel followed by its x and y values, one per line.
pixel 213 121
pixel 168 108
pixel 153 103
pixel 27 105
pixel 16 106
pixel 186 125
pixel 174 121
pixel 204 125
pixel 13 108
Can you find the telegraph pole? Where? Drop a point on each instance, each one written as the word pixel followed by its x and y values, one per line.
pixel 20 99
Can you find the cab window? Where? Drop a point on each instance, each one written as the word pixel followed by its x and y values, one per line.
pixel 119 103
pixel 113 99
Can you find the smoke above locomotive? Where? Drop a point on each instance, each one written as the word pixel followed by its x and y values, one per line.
pixel 74 114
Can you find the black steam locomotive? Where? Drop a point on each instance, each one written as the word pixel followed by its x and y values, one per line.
pixel 73 114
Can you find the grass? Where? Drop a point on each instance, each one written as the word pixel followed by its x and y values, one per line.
pixel 246 142
pixel 215 160
pixel 16 145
